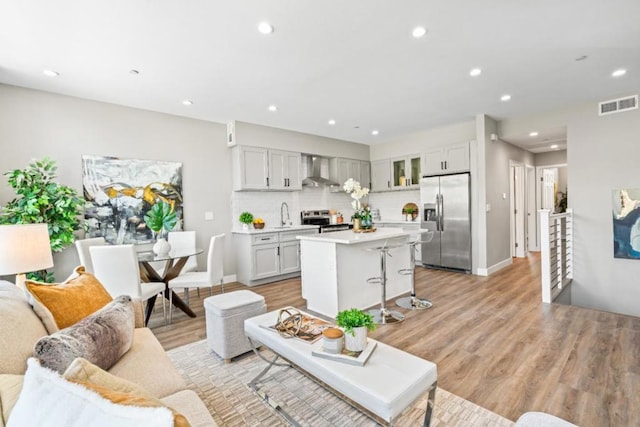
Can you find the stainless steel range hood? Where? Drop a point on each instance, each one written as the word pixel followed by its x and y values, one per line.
pixel 315 169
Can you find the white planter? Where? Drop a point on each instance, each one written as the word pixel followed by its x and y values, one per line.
pixel 245 226
pixel 162 247
pixel 357 342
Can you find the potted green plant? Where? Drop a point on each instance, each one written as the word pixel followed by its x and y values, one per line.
pixel 246 218
pixel 42 200
pixel 356 323
pixel 161 218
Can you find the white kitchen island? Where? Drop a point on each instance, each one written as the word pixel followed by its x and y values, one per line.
pixel 336 266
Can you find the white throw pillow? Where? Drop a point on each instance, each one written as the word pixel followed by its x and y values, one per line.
pixel 47 399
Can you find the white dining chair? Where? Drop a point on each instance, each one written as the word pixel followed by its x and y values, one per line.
pixel 202 279
pixel 82 246
pixel 116 267
pixel 185 240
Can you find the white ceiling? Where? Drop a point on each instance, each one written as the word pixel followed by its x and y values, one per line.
pixel 353 61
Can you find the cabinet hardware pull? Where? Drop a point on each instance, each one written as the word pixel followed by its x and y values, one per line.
pixel 267 181
pixel 265 238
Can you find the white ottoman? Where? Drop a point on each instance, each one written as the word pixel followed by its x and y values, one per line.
pixel 225 316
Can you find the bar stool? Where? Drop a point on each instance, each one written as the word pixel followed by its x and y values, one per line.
pixel 383 316
pixel 412 302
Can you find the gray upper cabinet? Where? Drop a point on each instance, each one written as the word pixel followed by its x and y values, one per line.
pixel 257 168
pixel 448 159
pixel 340 170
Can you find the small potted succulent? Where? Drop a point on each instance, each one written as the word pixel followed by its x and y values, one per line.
pixel 160 219
pixel 356 323
pixel 246 218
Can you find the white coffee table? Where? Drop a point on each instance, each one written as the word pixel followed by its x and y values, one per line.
pixel 389 383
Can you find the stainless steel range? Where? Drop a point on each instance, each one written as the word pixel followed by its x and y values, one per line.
pixel 323 219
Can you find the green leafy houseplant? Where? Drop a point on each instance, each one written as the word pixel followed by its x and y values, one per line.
pixel 246 218
pixel 161 217
pixel 42 200
pixel 354 318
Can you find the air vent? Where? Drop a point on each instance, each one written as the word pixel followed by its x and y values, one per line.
pixel 618 105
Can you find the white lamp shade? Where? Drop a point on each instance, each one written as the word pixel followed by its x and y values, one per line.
pixel 24 248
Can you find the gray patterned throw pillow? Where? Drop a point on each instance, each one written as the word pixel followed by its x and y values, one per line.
pixel 101 338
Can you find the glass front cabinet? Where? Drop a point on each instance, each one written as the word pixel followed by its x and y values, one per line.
pixel 405 172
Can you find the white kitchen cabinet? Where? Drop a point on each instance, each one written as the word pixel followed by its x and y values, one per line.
pixel 448 159
pixel 405 172
pixel 381 175
pixel 340 170
pixel 285 170
pixel 257 168
pixel 268 257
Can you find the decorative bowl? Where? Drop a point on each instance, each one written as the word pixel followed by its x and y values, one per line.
pixel 258 225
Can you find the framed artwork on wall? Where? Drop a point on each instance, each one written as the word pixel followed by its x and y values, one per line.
pixel 118 193
pixel 626 223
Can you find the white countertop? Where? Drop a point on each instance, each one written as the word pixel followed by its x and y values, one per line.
pixel 398 221
pixel 349 237
pixel 274 230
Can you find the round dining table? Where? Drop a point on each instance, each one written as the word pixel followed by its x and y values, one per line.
pixel 174 261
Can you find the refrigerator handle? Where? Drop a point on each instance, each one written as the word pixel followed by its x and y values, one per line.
pixel 437 212
pixel 441 212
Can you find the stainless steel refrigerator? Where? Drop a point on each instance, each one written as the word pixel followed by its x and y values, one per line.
pixel 446 210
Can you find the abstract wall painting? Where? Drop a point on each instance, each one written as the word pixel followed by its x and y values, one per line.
pixel 118 193
pixel 626 223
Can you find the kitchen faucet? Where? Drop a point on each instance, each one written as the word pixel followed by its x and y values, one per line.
pixel 282 221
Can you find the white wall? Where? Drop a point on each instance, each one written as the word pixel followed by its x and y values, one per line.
pixel 415 143
pixel 35 124
pixel 264 136
pixel 551 158
pixel 603 155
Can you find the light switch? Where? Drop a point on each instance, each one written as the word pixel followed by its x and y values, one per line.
pixel 488 207
pixel 208 216
pixel 504 196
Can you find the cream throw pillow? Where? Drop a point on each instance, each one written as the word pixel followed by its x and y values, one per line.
pixel 60 305
pixel 47 399
pixel 115 388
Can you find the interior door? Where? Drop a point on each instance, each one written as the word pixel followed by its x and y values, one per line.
pixel 455 223
pixel 532 234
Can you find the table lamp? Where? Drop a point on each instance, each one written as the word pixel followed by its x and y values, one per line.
pixel 24 248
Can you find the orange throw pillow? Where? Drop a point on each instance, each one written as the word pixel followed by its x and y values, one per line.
pixel 61 305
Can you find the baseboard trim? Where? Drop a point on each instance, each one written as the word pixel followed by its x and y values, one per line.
pixel 496 267
pixel 230 279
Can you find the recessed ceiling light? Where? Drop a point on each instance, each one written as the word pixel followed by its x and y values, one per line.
pixel 533 133
pixel 265 28
pixel 273 108
pixel 619 73
pixel 554 146
pixel 475 72
pixel 50 73
pixel 332 122
pixel 505 97
pixel 374 132
pixel 419 32
pixel 187 102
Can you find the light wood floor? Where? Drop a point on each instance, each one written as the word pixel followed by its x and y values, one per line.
pixel 496 344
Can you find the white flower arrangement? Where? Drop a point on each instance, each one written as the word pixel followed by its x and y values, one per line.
pixel 357 192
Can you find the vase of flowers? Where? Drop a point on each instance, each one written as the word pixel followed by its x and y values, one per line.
pixel 362 214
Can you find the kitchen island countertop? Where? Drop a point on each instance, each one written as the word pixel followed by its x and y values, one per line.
pixel 349 237
pixel 274 229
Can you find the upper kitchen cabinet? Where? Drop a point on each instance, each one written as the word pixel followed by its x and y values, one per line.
pixel 448 159
pixel 405 172
pixel 284 170
pixel 381 175
pixel 340 170
pixel 257 168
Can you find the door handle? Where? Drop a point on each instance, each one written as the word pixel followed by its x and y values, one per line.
pixel 437 212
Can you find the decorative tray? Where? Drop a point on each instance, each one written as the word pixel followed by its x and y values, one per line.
pixel 358 358
pixel 364 230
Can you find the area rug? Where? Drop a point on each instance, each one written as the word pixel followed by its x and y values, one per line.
pixel 223 388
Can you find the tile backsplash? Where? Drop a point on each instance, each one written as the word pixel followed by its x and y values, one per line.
pixel 267 204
